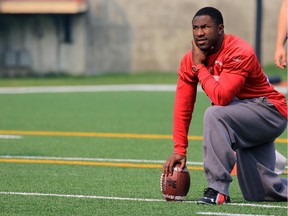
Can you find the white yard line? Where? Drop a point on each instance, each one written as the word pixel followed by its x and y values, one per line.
pixel 81 196
pixel 127 199
pixel 98 159
pixel 3 136
pixel 227 214
pixel 93 159
pixel 100 88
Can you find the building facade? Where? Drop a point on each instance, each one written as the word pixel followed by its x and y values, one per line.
pixel 87 37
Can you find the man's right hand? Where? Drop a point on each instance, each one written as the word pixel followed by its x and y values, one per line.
pixel 171 161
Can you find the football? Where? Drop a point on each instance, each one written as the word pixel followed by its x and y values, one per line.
pixel 175 187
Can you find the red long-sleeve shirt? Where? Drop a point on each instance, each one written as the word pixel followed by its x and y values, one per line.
pixel 239 74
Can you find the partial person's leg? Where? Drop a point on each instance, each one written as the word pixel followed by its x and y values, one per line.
pixel 281 162
pixel 243 124
pixel 255 174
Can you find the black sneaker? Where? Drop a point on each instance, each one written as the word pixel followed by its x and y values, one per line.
pixel 212 196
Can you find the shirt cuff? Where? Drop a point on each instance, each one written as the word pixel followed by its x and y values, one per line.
pixel 180 149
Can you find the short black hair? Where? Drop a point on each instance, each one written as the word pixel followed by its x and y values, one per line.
pixel 212 12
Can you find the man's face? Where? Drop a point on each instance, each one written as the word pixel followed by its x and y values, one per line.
pixel 205 32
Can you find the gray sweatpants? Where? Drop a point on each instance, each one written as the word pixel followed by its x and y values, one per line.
pixel 250 127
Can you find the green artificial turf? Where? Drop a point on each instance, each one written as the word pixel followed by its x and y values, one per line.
pixel 57 187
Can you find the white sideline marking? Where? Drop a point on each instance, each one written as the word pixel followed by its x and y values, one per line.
pixel 88 88
pixel 100 88
pixel 3 136
pixel 227 214
pixel 95 159
pixel 127 199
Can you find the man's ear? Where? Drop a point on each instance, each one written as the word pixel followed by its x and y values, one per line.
pixel 220 29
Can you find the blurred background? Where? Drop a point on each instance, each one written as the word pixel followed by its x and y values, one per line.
pixel 90 37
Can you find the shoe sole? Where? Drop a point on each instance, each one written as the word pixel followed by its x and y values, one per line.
pixel 206 203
